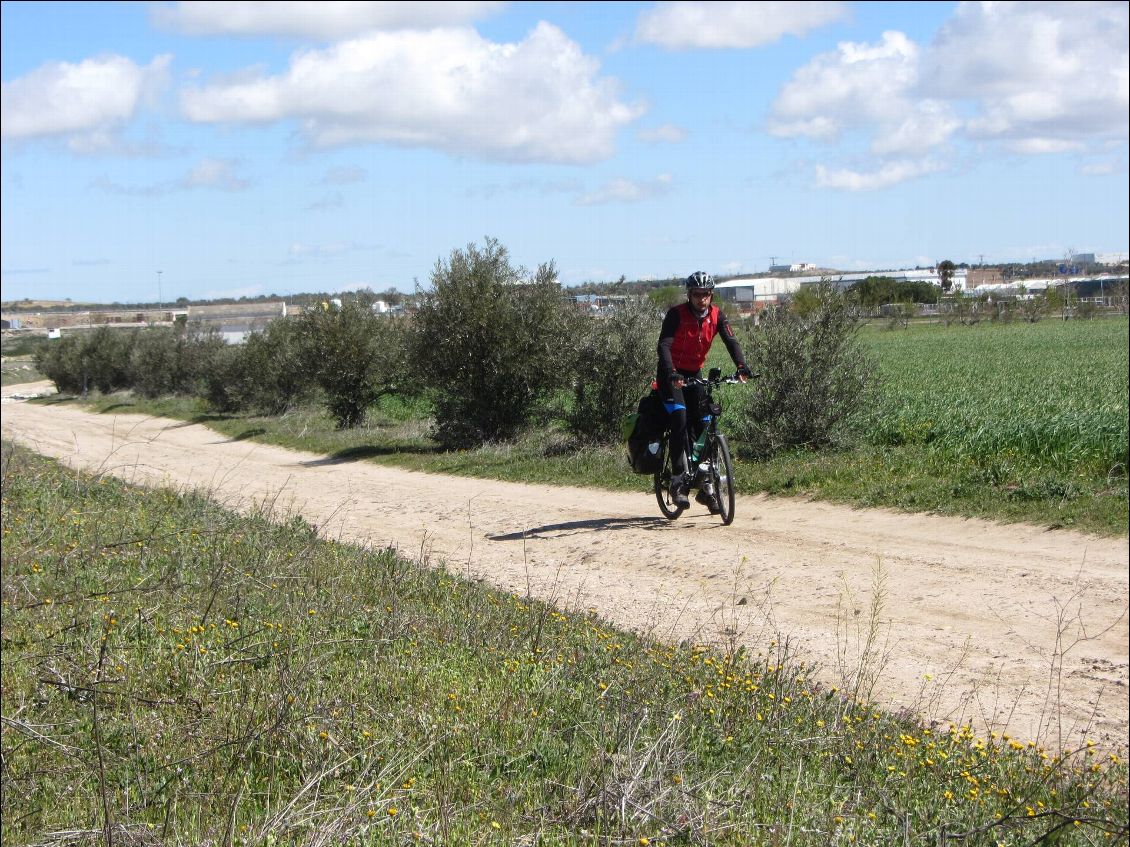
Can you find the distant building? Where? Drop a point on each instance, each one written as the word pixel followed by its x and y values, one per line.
pixel 795 268
pixel 765 290
pixel 1111 258
pixel 598 303
pixel 976 277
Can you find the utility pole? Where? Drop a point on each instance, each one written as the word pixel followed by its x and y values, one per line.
pixel 159 297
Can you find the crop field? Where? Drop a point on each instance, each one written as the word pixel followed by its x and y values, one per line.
pixel 175 673
pixel 1053 393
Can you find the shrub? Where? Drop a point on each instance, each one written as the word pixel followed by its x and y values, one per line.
pixel 667 296
pixel 153 362
pixel 1033 308
pixel 615 354
pixel 172 360
pixel 79 362
pixel 106 354
pixel 60 360
pixel 814 377
pixel 267 374
pixel 226 384
pixel 491 343
pixel 353 355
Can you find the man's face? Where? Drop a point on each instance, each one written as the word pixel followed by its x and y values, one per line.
pixel 700 297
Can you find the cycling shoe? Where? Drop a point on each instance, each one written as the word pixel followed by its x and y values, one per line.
pixel 707 500
pixel 679 494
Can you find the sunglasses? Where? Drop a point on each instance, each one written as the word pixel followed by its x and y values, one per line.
pixel 702 294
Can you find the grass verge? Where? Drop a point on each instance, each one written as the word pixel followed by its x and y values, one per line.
pixel 18 370
pixel 176 673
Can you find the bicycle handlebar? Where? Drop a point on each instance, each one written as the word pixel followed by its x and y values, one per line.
pixel 726 380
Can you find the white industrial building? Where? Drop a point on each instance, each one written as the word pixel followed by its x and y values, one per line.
pixel 1110 258
pixel 770 289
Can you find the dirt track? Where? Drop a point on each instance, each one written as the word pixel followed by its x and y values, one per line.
pixel 1011 628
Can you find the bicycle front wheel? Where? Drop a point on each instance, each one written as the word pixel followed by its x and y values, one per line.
pixel 663 488
pixel 723 472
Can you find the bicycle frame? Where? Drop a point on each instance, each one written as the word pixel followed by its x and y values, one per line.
pixel 711 450
pixel 703 448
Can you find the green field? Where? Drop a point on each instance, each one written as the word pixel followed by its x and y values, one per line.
pixel 176 674
pixel 18 371
pixel 1053 394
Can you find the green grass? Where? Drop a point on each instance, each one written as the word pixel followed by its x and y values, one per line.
pixel 1054 392
pixel 17 371
pixel 22 343
pixel 174 673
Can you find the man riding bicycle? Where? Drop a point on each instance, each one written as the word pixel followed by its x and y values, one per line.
pixel 685 339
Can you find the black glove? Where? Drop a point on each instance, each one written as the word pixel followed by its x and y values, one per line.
pixel 744 370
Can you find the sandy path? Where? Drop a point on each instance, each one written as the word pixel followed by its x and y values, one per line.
pixel 1006 627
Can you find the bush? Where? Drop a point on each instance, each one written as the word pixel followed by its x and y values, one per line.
pixel 615 355
pixel 153 362
pixel 267 374
pixel 61 362
pixel 107 353
pixel 172 360
pixel 353 355
pixel 491 343
pixel 226 384
pixel 814 376
pixel 79 362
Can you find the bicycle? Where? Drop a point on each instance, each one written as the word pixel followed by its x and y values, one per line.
pixel 708 458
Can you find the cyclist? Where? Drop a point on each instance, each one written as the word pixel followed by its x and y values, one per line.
pixel 688 331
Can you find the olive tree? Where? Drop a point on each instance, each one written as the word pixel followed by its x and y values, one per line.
pixel 267 373
pixel 84 361
pixel 814 376
pixel 353 355
pixel 172 360
pixel 61 361
pixel 491 343
pixel 614 357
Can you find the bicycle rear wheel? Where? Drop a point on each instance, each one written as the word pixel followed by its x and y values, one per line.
pixel 662 483
pixel 723 473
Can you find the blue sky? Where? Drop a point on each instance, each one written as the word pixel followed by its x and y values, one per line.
pixel 253 148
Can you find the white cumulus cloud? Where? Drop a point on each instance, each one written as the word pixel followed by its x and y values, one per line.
pixel 85 101
pixel 1099 168
pixel 1036 78
pixel 622 190
pixel 325 19
pixel 884 176
pixel 208 173
pixel 1036 72
pixel 864 86
pixel 665 134
pixel 215 173
pixel 345 175
pixel 687 25
pixel 449 89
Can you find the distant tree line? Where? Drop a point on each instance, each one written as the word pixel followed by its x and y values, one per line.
pixel 879 290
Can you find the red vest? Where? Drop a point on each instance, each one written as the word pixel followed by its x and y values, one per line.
pixel 693 338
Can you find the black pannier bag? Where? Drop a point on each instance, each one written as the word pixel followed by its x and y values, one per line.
pixel 645 429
